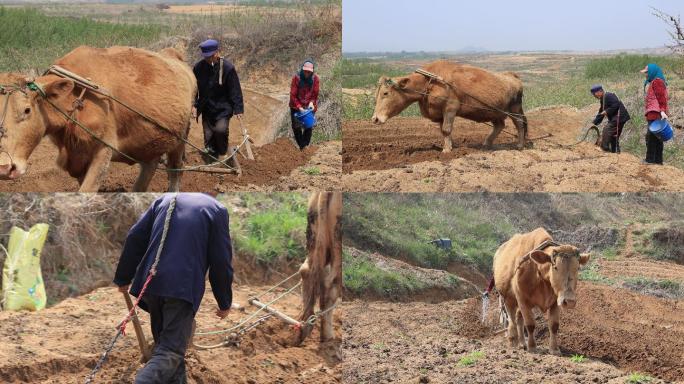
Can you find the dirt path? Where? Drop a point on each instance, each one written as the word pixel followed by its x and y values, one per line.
pixel 404 155
pixel 275 160
pixel 62 343
pixel 420 342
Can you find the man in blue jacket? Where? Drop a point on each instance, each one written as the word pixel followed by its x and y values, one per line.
pixel 197 240
pixel 219 97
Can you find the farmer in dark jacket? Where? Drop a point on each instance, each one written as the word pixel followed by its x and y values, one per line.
pixel 197 240
pixel 615 111
pixel 219 97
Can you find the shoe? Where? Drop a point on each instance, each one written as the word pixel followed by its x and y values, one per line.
pixel 208 156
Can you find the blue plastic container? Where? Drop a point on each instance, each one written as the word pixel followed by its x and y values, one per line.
pixel 662 129
pixel 307 118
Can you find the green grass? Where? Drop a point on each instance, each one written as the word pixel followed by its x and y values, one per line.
pixel 400 226
pixel 312 171
pixel 666 288
pixel 362 276
pixel 48 37
pixel 274 229
pixel 655 243
pixel 591 273
pixel 620 66
pixel 470 359
pixel 364 73
pixel 578 359
pixel 638 378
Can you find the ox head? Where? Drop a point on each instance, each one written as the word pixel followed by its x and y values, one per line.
pixel 23 120
pixel 562 263
pixel 391 98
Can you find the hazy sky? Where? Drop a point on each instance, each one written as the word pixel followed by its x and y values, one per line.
pixel 498 25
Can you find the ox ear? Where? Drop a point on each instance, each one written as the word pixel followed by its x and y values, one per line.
pixel 584 258
pixel 540 257
pixel 403 82
pixel 59 88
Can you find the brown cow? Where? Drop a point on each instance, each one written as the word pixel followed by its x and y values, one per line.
pixel 157 84
pixel 322 271
pixel 473 93
pixel 530 270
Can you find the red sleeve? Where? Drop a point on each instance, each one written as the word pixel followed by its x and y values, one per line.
pixel 294 90
pixel 660 94
pixel 314 92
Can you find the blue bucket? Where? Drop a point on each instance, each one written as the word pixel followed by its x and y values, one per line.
pixel 306 118
pixel 662 129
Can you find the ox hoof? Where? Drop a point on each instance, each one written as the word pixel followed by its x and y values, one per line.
pixel 555 352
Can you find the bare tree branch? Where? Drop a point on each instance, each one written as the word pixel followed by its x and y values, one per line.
pixel 675 30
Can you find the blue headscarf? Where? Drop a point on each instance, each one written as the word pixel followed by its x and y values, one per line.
pixel 654 72
pixel 303 81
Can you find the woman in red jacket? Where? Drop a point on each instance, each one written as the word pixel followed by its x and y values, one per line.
pixel 655 88
pixel 303 95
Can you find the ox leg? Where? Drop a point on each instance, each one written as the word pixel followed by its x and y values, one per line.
pixel 175 158
pixel 308 308
pixel 328 299
pixel 145 176
pixel 499 125
pixel 97 170
pixel 520 322
pixel 511 310
pixel 447 126
pixel 520 123
pixel 528 318
pixel 553 319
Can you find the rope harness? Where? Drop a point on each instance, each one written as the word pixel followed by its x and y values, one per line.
pixel 78 104
pixel 121 328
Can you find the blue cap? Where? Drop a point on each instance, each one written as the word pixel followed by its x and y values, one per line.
pixel 596 87
pixel 209 47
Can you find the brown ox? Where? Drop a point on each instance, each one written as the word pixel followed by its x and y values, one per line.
pixel 532 271
pixel 158 84
pixel 322 271
pixel 472 93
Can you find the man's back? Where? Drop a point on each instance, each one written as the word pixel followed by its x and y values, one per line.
pixel 197 240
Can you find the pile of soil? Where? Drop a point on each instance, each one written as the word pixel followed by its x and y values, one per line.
pixel 404 155
pixel 617 330
pixel 61 345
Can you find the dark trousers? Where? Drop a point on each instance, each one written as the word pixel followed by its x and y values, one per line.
pixel 654 148
pixel 302 135
pixel 216 136
pixel 610 139
pixel 171 321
